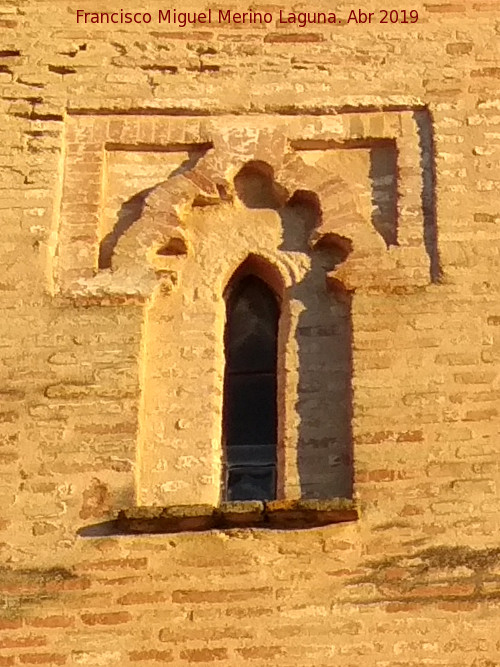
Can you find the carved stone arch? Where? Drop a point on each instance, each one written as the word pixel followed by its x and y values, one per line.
pixel 208 182
pixel 162 223
pixel 165 206
pixel 271 269
pixel 339 206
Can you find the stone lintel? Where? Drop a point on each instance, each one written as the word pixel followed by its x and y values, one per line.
pixel 274 515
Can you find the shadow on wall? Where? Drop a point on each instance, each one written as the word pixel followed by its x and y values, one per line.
pixel 428 167
pixel 383 177
pixel 130 212
pixel 384 180
pixel 323 334
pixel 132 209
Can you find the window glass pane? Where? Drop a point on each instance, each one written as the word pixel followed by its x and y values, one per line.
pixel 252 327
pixel 250 411
pixel 251 455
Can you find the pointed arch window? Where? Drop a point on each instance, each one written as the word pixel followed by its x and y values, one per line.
pixel 250 415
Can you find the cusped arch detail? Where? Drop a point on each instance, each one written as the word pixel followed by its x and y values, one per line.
pixel 271 270
pixel 211 181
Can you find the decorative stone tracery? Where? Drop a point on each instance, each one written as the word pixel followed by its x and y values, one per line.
pixel 162 224
pixel 193 231
pixel 231 142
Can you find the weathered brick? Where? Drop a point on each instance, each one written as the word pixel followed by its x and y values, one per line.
pixel 54 621
pixel 458 606
pixel 203 654
pixel 109 618
pixel 260 652
pixel 291 38
pixel 28 641
pixel 151 655
pixel 221 595
pixel 459 48
pixel 10 623
pixel 42 659
pixel 142 598
pixel 444 590
pixel 446 8
pixel 115 564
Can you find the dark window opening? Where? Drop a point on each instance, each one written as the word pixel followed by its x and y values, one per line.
pixel 250 426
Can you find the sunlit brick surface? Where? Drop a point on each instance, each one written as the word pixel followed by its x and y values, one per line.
pixel 372 201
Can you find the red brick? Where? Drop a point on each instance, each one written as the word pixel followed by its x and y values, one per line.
pixel 480 415
pixel 397 607
pixel 51 622
pixel 444 590
pixel 119 581
pixel 10 623
pixel 143 598
pixel 249 612
pixel 342 572
pixel 43 659
pixel 151 656
pixel 293 38
pixel 204 654
pixel 23 642
pixel 115 564
pixel 6 661
pixel 191 35
pixel 260 652
pixel 493 72
pixel 475 377
pixel 411 510
pixel 410 436
pixel 232 595
pixel 396 573
pixel 374 438
pixel 459 48
pixel 446 8
pixel 75 584
pixel 109 618
pixel 376 476
pixel 17 587
pixel 457 605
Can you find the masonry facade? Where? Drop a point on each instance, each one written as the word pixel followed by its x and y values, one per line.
pixel 354 168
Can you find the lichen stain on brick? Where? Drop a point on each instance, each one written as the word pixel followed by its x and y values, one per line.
pixel 96 501
pixel 25 589
pixel 442 557
pixel 432 575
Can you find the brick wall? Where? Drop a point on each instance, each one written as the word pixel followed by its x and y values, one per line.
pixel 407 117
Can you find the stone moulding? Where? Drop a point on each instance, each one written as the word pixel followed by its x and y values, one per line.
pixel 234 141
pixel 270 515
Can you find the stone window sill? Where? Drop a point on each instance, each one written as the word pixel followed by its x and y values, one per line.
pixel 271 515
